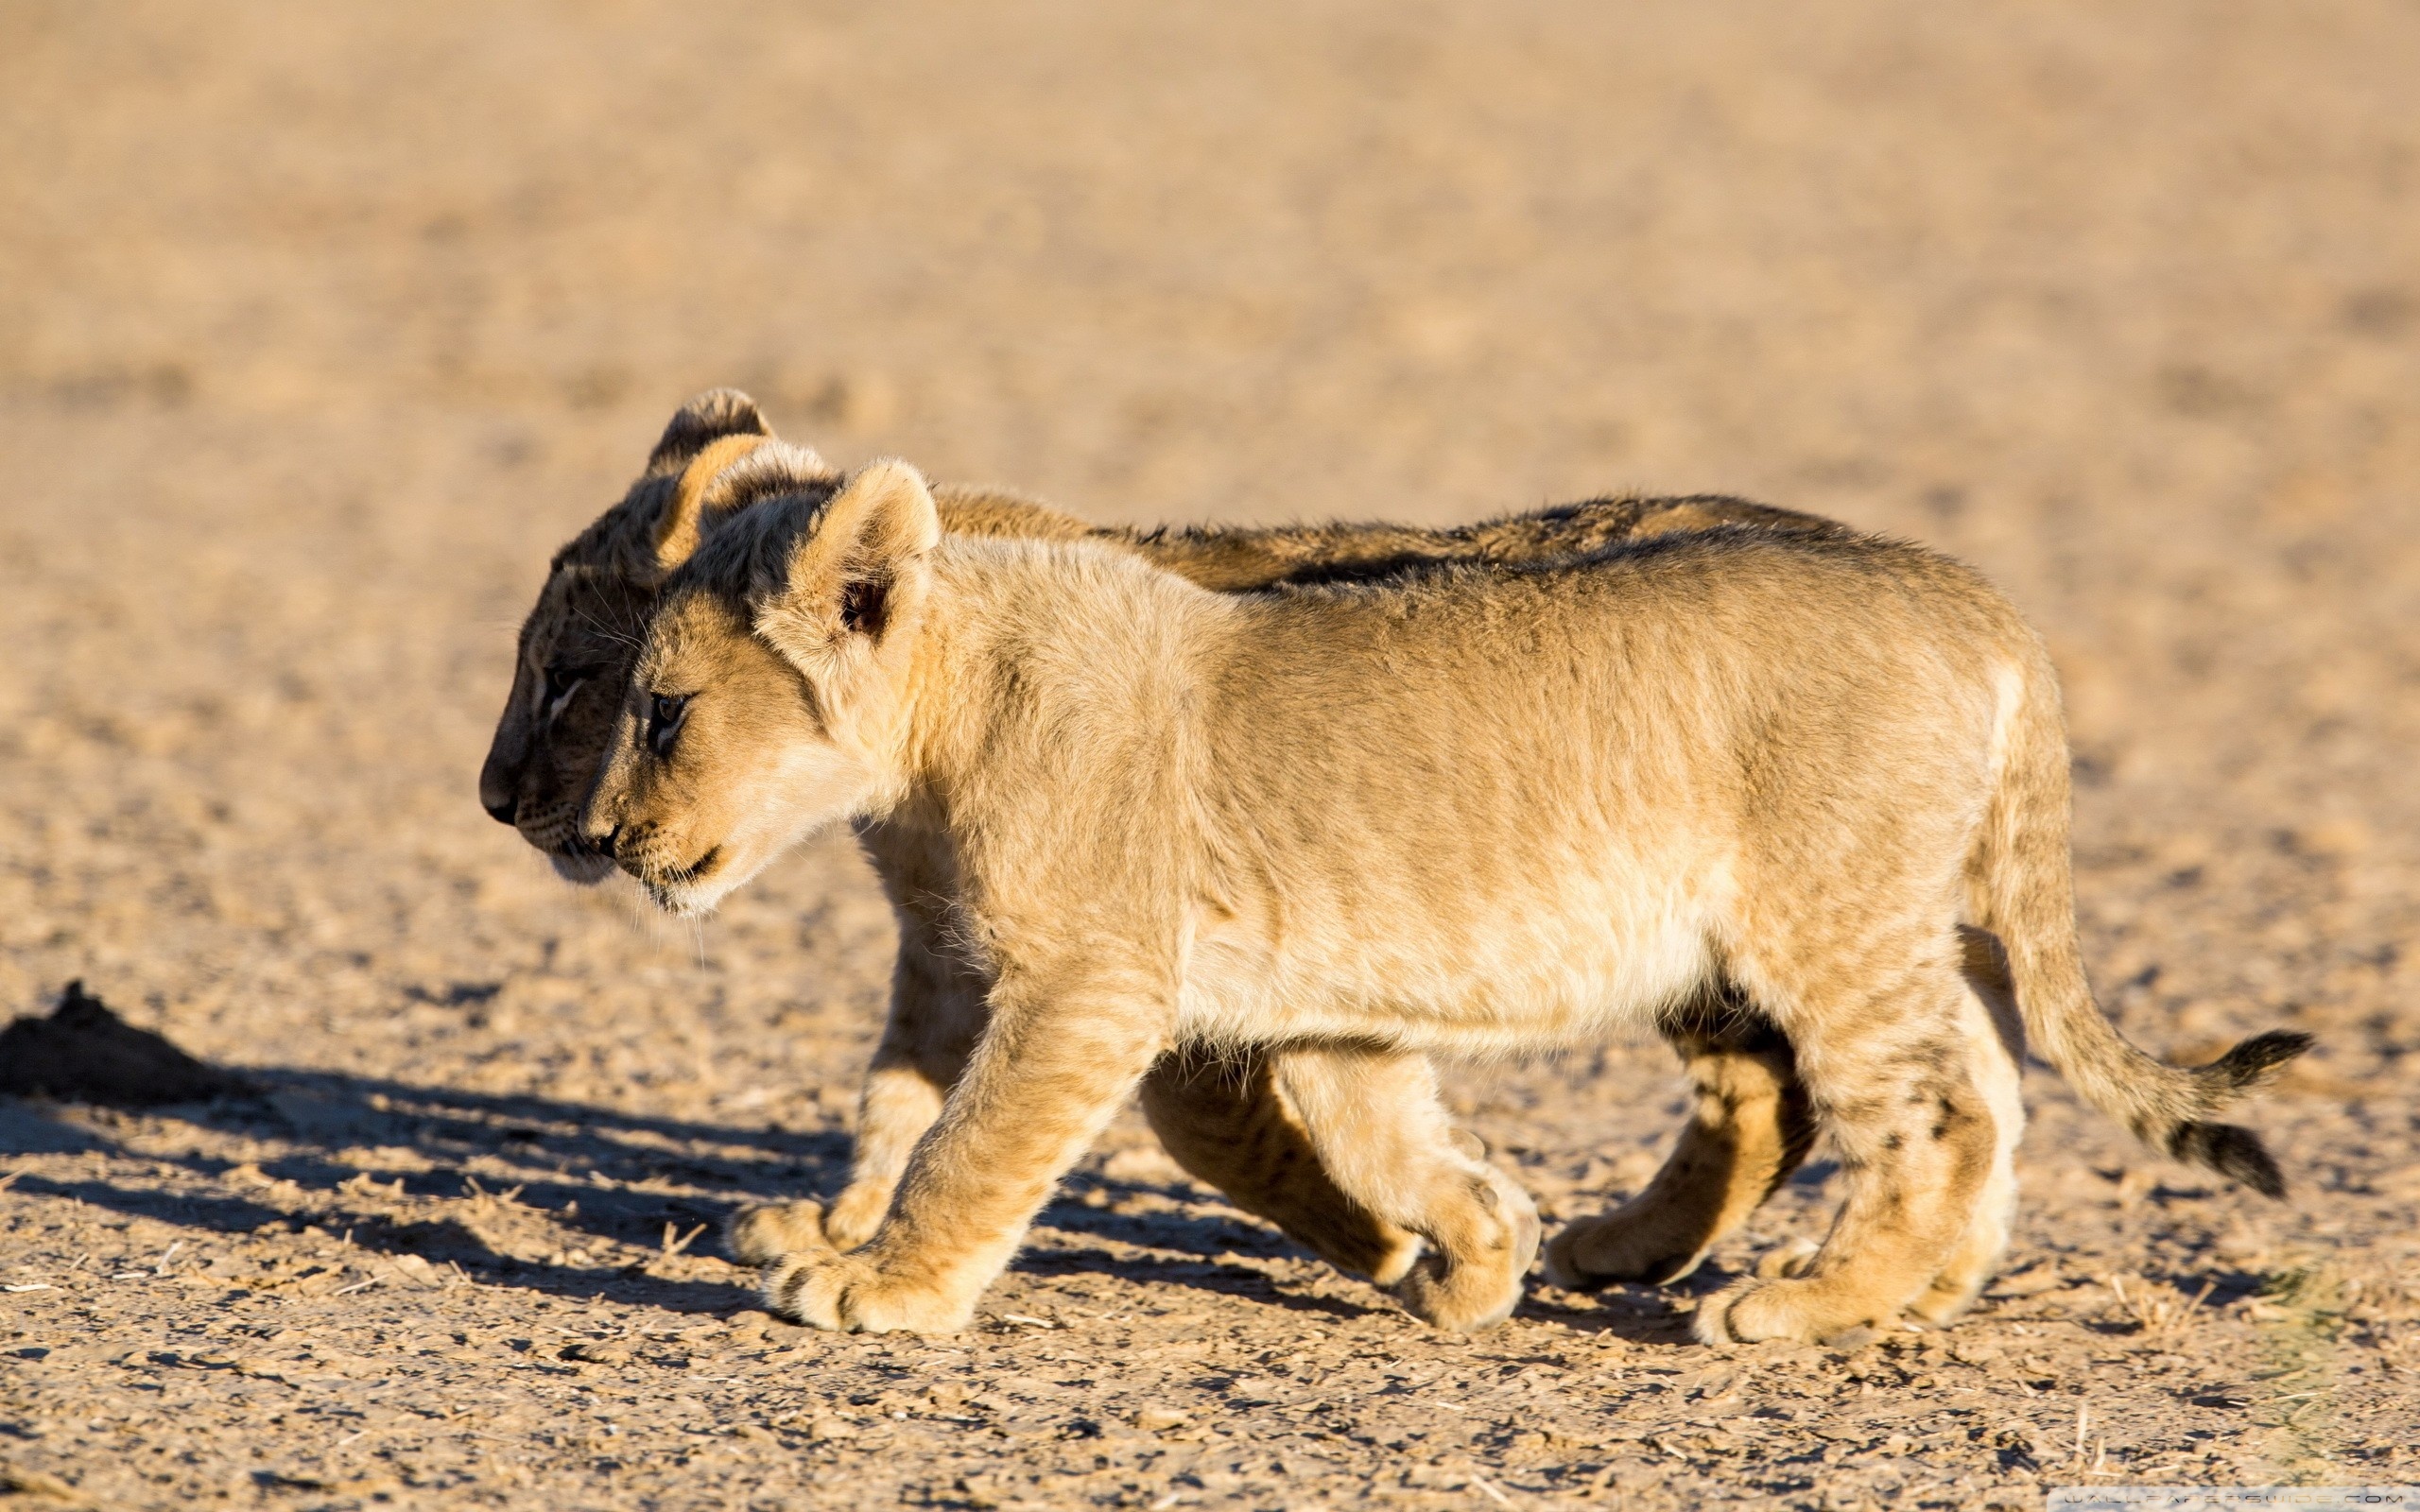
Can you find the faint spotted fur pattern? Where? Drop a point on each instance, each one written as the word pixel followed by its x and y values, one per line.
pixel 1471 808
pixel 1225 1115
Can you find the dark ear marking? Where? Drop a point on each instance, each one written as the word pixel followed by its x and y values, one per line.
pixel 851 563
pixel 865 604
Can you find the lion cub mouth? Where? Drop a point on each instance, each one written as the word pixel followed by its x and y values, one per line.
pixel 575 859
pixel 666 886
pixel 696 868
pixel 581 863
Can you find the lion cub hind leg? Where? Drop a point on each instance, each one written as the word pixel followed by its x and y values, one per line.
pixel 1750 1129
pixel 1995 1048
pixel 1893 1084
pixel 1221 1116
pixel 1384 1138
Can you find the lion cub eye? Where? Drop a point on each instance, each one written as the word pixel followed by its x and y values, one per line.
pixel 561 683
pixel 664 721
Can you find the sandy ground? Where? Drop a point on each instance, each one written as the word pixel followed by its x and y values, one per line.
pixel 320 326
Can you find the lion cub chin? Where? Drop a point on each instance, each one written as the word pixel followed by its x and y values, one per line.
pixel 1460 809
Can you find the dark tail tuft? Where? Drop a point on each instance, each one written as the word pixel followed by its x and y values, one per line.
pixel 2234 1153
pixel 2250 1063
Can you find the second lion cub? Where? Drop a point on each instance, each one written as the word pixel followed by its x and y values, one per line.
pixel 1462 809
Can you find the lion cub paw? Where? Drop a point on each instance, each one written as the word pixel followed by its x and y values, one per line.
pixel 1624 1246
pixel 1948 1297
pixel 1795 1310
pixel 1477 1285
pixel 763 1234
pixel 849 1294
pixel 855 1213
pixel 1792 1258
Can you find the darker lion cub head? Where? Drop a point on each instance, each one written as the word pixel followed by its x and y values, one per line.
pixel 577 644
pixel 771 687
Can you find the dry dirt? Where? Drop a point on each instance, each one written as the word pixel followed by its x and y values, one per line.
pixel 321 325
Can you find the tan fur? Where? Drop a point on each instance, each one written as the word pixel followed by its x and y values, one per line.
pixel 1749 1126
pixel 1224 1118
pixel 1469 808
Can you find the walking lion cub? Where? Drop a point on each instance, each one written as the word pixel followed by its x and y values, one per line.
pixel 1461 808
pixel 1229 1119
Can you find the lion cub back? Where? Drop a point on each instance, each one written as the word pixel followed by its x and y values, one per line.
pixel 1487 800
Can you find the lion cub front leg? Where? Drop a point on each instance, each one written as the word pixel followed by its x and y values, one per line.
pixel 1749 1130
pixel 1056 1057
pixel 1374 1119
pixel 1224 1115
pixel 935 1013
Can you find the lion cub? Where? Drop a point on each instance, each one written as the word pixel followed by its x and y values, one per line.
pixel 1229 1119
pixel 1462 809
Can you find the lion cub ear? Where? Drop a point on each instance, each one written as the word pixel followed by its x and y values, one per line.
pixel 701 422
pixel 727 475
pixel 859 571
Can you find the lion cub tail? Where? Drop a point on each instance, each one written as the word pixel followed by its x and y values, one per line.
pixel 2023 892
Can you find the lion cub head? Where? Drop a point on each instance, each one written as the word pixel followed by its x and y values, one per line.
pixel 577 643
pixel 770 694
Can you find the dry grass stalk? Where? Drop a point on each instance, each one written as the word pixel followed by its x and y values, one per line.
pixel 674 1241
pixel 2156 1309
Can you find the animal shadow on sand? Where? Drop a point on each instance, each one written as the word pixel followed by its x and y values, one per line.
pixel 328 1149
pixel 624 1178
pixel 597 1170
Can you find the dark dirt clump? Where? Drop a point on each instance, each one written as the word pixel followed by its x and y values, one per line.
pixel 84 1052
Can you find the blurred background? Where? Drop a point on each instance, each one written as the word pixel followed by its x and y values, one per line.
pixel 321 325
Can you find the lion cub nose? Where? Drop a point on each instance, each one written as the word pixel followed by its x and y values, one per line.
pixel 600 832
pixel 499 786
